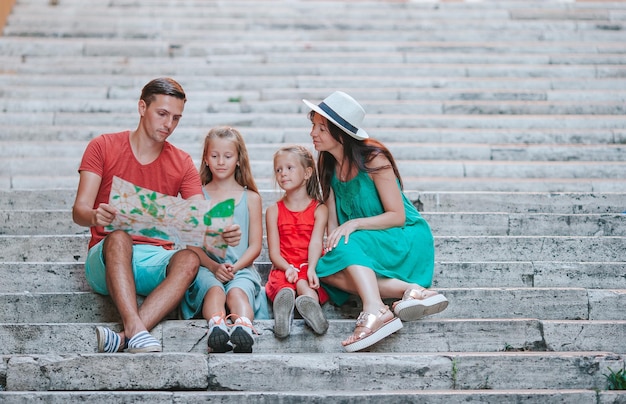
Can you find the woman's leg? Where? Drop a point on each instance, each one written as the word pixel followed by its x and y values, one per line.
pixel 387 287
pixel 362 281
pixel 394 288
pixel 379 322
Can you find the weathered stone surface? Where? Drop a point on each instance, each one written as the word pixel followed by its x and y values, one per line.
pixel 585 335
pixel 330 372
pixel 607 304
pixel 108 372
pixel 549 370
pixel 530 396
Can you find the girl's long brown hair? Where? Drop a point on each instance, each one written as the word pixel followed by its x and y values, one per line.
pixel 243 172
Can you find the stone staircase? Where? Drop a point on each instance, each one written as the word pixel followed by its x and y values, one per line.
pixel 508 122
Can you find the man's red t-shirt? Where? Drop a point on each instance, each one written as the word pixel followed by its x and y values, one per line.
pixel 172 173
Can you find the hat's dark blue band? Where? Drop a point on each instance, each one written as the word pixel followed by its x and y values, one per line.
pixel 337 118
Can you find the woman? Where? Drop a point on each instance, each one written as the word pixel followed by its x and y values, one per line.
pixel 378 245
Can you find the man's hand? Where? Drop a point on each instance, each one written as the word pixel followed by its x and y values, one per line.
pixel 104 215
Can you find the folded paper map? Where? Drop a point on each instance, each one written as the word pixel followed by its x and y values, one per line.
pixel 147 213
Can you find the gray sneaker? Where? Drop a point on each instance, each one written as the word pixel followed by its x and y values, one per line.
pixel 312 313
pixel 219 337
pixel 283 312
pixel 242 335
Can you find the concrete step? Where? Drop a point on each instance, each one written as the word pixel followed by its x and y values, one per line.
pixel 457 184
pixel 69 248
pixel 52 277
pixel 558 17
pixel 477 169
pixel 233 43
pixel 39 222
pixel 441 335
pixel 416 15
pixel 420 69
pixel 426 201
pixel 108 96
pixel 398 396
pixel 409 31
pixel 240 84
pixel 297 119
pixel 401 151
pixel 521 8
pixel 556 303
pixel 272 56
pixel 369 5
pixel 434 184
pixel 187 135
pixel 426 107
pixel 416 25
pixel 333 371
pixel 164 47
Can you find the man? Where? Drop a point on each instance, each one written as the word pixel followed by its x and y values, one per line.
pixel 124 266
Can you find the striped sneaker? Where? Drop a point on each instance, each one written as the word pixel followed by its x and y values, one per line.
pixel 108 340
pixel 143 342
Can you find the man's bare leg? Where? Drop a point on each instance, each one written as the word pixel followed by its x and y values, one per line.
pixel 181 271
pixel 118 252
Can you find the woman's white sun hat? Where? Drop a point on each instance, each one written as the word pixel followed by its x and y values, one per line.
pixel 343 111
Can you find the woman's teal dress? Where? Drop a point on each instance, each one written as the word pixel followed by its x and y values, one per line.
pixel 406 253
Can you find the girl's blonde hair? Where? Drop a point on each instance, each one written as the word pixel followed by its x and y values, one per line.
pixel 306 159
pixel 243 172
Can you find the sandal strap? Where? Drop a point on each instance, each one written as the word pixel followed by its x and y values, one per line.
pixel 417 294
pixel 371 321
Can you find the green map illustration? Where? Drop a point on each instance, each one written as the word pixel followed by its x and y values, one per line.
pixel 148 213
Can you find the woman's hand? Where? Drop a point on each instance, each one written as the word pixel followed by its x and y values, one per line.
pixel 342 231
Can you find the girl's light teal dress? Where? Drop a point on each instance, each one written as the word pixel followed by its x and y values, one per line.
pixel 406 253
pixel 247 279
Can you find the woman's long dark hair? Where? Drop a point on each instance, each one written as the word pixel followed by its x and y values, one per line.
pixel 358 153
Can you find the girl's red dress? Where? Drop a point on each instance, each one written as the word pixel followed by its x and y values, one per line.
pixel 294 230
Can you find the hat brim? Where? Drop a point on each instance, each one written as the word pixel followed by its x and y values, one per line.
pixel 360 133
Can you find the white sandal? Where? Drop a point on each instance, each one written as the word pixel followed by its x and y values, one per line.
pixel 419 303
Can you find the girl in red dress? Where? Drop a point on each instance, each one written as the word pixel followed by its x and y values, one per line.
pixel 295 232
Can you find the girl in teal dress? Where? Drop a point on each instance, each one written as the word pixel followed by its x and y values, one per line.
pixel 227 291
pixel 378 245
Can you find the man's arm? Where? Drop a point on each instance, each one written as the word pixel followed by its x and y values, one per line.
pixel 83 212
